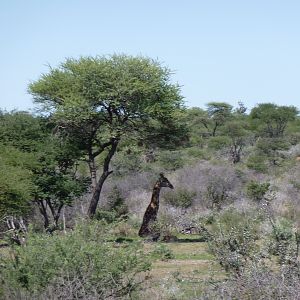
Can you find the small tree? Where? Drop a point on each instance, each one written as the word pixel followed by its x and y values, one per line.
pixel 57 183
pixel 271 120
pixel 238 134
pixel 218 113
pixel 34 154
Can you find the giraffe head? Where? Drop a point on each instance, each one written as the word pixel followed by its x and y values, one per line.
pixel 164 182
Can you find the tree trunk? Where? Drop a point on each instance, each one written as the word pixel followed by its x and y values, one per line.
pixel 43 211
pixel 105 174
pixel 215 129
pixel 96 194
pixel 93 171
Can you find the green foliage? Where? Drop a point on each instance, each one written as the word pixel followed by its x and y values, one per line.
pixel 197 153
pixel 271 120
pixel 110 92
pixel 127 161
pixel 282 242
pixel 162 252
pixel 166 132
pixel 182 198
pixel 55 178
pixel 256 190
pixel 99 101
pixel 197 123
pixel 218 113
pixel 268 152
pixel 109 216
pixel 82 263
pixel 21 130
pixel 170 160
pixel 218 142
pixel 116 202
pixel 16 186
pixel 257 162
pixel 233 239
pixel 116 210
pixel 38 166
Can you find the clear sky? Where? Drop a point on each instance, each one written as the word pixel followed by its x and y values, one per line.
pixel 224 50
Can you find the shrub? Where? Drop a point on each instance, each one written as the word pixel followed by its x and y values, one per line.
pixel 198 153
pixel 259 282
pixel 171 160
pixel 116 207
pixel 282 242
pixel 109 216
pixel 232 239
pixel 217 193
pixel 256 190
pixel 116 202
pixel 162 252
pixel 127 161
pixel 257 162
pixel 163 228
pixel 218 142
pixel 182 198
pixel 82 264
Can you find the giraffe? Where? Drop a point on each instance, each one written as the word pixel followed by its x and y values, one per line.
pixel 152 209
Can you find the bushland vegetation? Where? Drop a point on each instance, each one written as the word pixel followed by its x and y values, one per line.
pixel 77 175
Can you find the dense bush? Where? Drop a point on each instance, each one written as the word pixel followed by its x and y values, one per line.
pixel 217 193
pixel 170 160
pixel 256 190
pixel 116 207
pixel 259 283
pixel 83 264
pixel 127 161
pixel 282 242
pixel 257 162
pixel 218 142
pixel 254 274
pixel 182 198
pixel 233 238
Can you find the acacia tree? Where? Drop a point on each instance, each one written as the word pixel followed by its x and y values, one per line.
pixel 97 101
pixel 237 131
pixel 215 116
pixel 271 120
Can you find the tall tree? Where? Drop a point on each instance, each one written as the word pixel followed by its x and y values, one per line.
pixel 97 101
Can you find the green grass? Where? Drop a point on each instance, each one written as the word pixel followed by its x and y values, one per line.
pixel 190 251
pixel 184 276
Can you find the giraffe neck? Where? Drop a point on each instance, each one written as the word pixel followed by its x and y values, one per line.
pixel 155 194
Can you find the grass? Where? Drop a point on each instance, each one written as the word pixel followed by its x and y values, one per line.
pixel 185 275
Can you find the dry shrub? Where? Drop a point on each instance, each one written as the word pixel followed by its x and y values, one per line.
pixel 258 283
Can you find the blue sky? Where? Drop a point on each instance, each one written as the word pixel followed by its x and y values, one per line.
pixel 220 50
